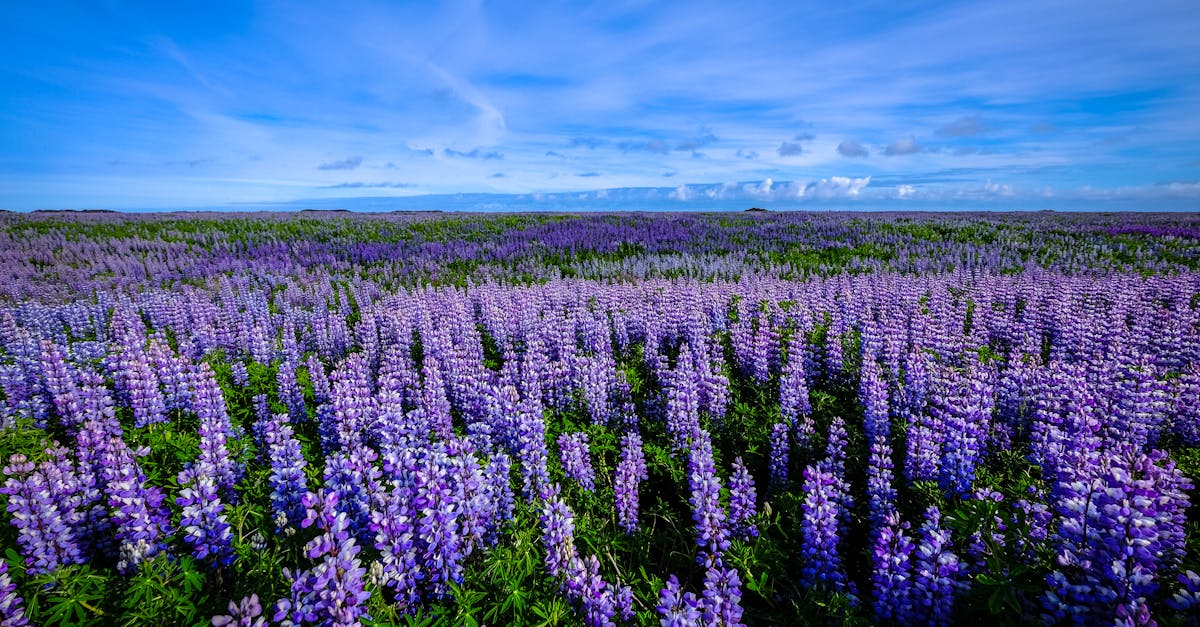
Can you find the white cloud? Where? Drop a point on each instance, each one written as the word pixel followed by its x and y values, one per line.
pixel 838 187
pixel 760 190
pixel 681 193
pixel 997 189
pixel 905 191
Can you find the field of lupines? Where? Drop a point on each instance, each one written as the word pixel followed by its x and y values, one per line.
pixel 601 419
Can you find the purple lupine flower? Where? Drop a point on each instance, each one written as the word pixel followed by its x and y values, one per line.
pixel 873 392
pixel 351 475
pixel 892 575
pixel 353 406
pixel 712 530
pixel 287 480
pixel 393 521
pixel 1186 411
pixel 289 390
pixel 742 501
pixel 215 426
pixel 678 608
pixel 780 453
pixel 881 494
pixel 97 432
pixel 135 507
pixel 1141 405
pixel 835 465
pixel 967 418
pixel 630 471
pixel 145 398
pixel 819 546
pixel 683 403
pixel 1066 423
pixel 531 450
pixel 1187 596
pixel 434 403
pixel 498 484
pixel 41 501
pixel 60 384
pixel 936 574
pixel 12 614
pixel 600 602
pixel 575 455
pixel 439 537
pixel 203 522
pixel 1121 519
pixel 580 576
pixel 558 535
pixel 794 404
pixel 333 592
pixel 722 597
pixel 320 382
pixel 245 613
pixel 239 373
pixel 925 432
pixel 172 373
pixel 471 493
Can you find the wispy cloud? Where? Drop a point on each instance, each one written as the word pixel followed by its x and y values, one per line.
pixel 656 146
pixel 191 163
pixel 476 153
pixel 586 142
pixel 349 163
pixel 851 148
pixel 790 149
pixel 906 146
pixel 369 185
pixel 965 126
pixel 693 144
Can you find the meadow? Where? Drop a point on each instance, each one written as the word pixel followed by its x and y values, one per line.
pixel 682 419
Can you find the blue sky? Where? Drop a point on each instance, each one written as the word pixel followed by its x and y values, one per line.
pixel 656 105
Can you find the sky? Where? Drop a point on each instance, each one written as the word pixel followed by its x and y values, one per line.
pixel 1021 104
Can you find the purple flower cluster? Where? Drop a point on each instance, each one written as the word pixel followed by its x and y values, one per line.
pixel 245 613
pixel 135 507
pixel 333 591
pixel 678 608
pixel 683 403
pixel 937 577
pixel 215 427
pixel 892 574
pixel 575 455
pixel 287 480
pixel 203 522
pixel 1121 522
pixel 41 500
pixel 780 453
pixel 718 605
pixel 351 475
pixel 12 614
pixel 600 601
pixel 819 528
pixel 873 391
pixel 631 470
pixel 531 450
pixel 712 527
pixel 742 502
